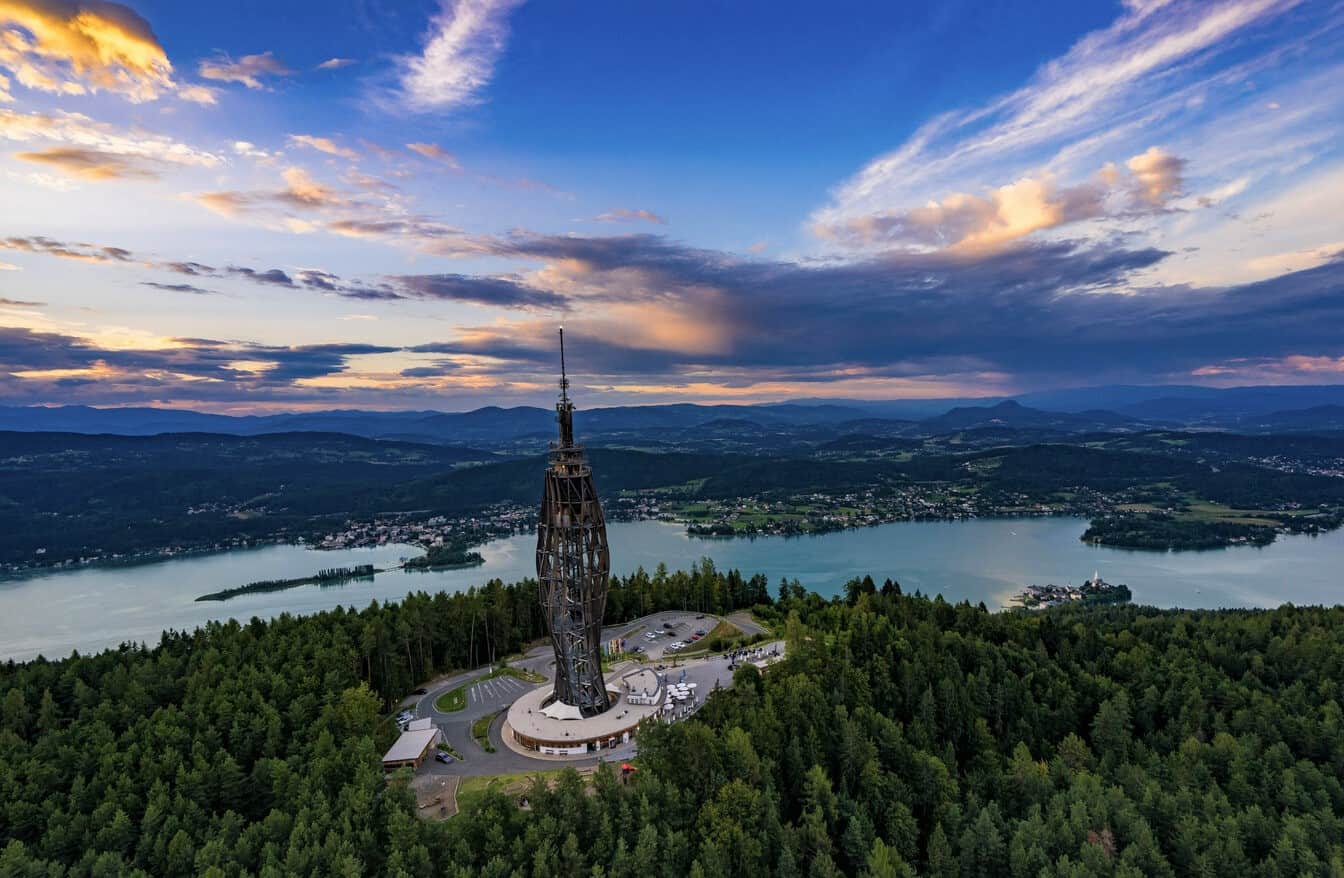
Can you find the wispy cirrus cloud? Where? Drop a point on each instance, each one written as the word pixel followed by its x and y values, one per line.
pixel 335 63
pixel 463 44
pixel 435 153
pixel 1151 74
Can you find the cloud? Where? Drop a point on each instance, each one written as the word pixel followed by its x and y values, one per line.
pixel 651 316
pixel 42 364
pixel 301 192
pixel 19 303
pixel 247 70
pixel 1030 204
pixel 80 46
pixel 88 164
pixel 1158 175
pixel 323 144
pixel 335 63
pixel 272 277
pixel 140 148
pixel 66 250
pixel 436 153
pixel 494 292
pixel 177 288
pixel 1034 313
pixel 198 94
pixel 249 150
pixel 1135 80
pixel 305 278
pixel 625 215
pixel 461 49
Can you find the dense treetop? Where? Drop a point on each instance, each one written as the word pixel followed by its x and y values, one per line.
pixel 900 736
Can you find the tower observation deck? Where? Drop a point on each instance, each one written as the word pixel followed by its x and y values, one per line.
pixel 573 565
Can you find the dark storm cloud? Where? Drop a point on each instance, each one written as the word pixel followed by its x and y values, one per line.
pixel 1046 310
pixel 495 292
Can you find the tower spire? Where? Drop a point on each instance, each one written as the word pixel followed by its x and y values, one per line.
pixel 564 379
pixel 564 409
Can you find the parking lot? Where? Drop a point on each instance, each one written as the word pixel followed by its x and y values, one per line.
pixel 495 692
pixel 667 629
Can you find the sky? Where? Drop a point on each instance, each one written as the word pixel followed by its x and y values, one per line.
pixel 316 204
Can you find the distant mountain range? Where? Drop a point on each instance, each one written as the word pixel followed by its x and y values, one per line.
pixel 1099 409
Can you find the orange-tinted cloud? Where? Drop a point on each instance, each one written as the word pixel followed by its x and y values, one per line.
pixel 323 144
pixel 1157 175
pixel 435 153
pixel 88 164
pixel 1000 216
pixel 76 46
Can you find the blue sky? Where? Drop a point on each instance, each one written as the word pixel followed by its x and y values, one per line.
pixel 262 206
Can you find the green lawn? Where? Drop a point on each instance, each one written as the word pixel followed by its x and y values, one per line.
pixel 471 789
pixel 453 699
pixel 480 730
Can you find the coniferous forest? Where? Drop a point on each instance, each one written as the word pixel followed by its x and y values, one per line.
pixel 900 736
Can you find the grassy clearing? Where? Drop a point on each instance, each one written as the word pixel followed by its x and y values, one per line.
pixel 480 731
pixel 721 637
pixel 472 789
pixel 453 699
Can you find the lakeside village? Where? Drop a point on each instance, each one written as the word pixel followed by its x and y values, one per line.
pixel 822 513
pixel 759 515
pixel 1092 591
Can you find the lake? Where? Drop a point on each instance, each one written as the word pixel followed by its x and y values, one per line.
pixel 54 612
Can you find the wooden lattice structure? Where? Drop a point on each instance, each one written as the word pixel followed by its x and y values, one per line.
pixel 573 564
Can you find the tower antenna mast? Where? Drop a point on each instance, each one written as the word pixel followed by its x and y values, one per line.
pixel 564 379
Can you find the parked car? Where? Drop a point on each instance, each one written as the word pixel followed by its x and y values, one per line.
pixel 700 632
pixel 421 691
pixel 445 758
pixel 667 624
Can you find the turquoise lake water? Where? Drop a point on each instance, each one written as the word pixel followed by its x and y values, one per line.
pixel 52 613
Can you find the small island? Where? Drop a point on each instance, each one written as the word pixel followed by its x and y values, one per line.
pixel 326 576
pixel 449 556
pixel 1092 592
